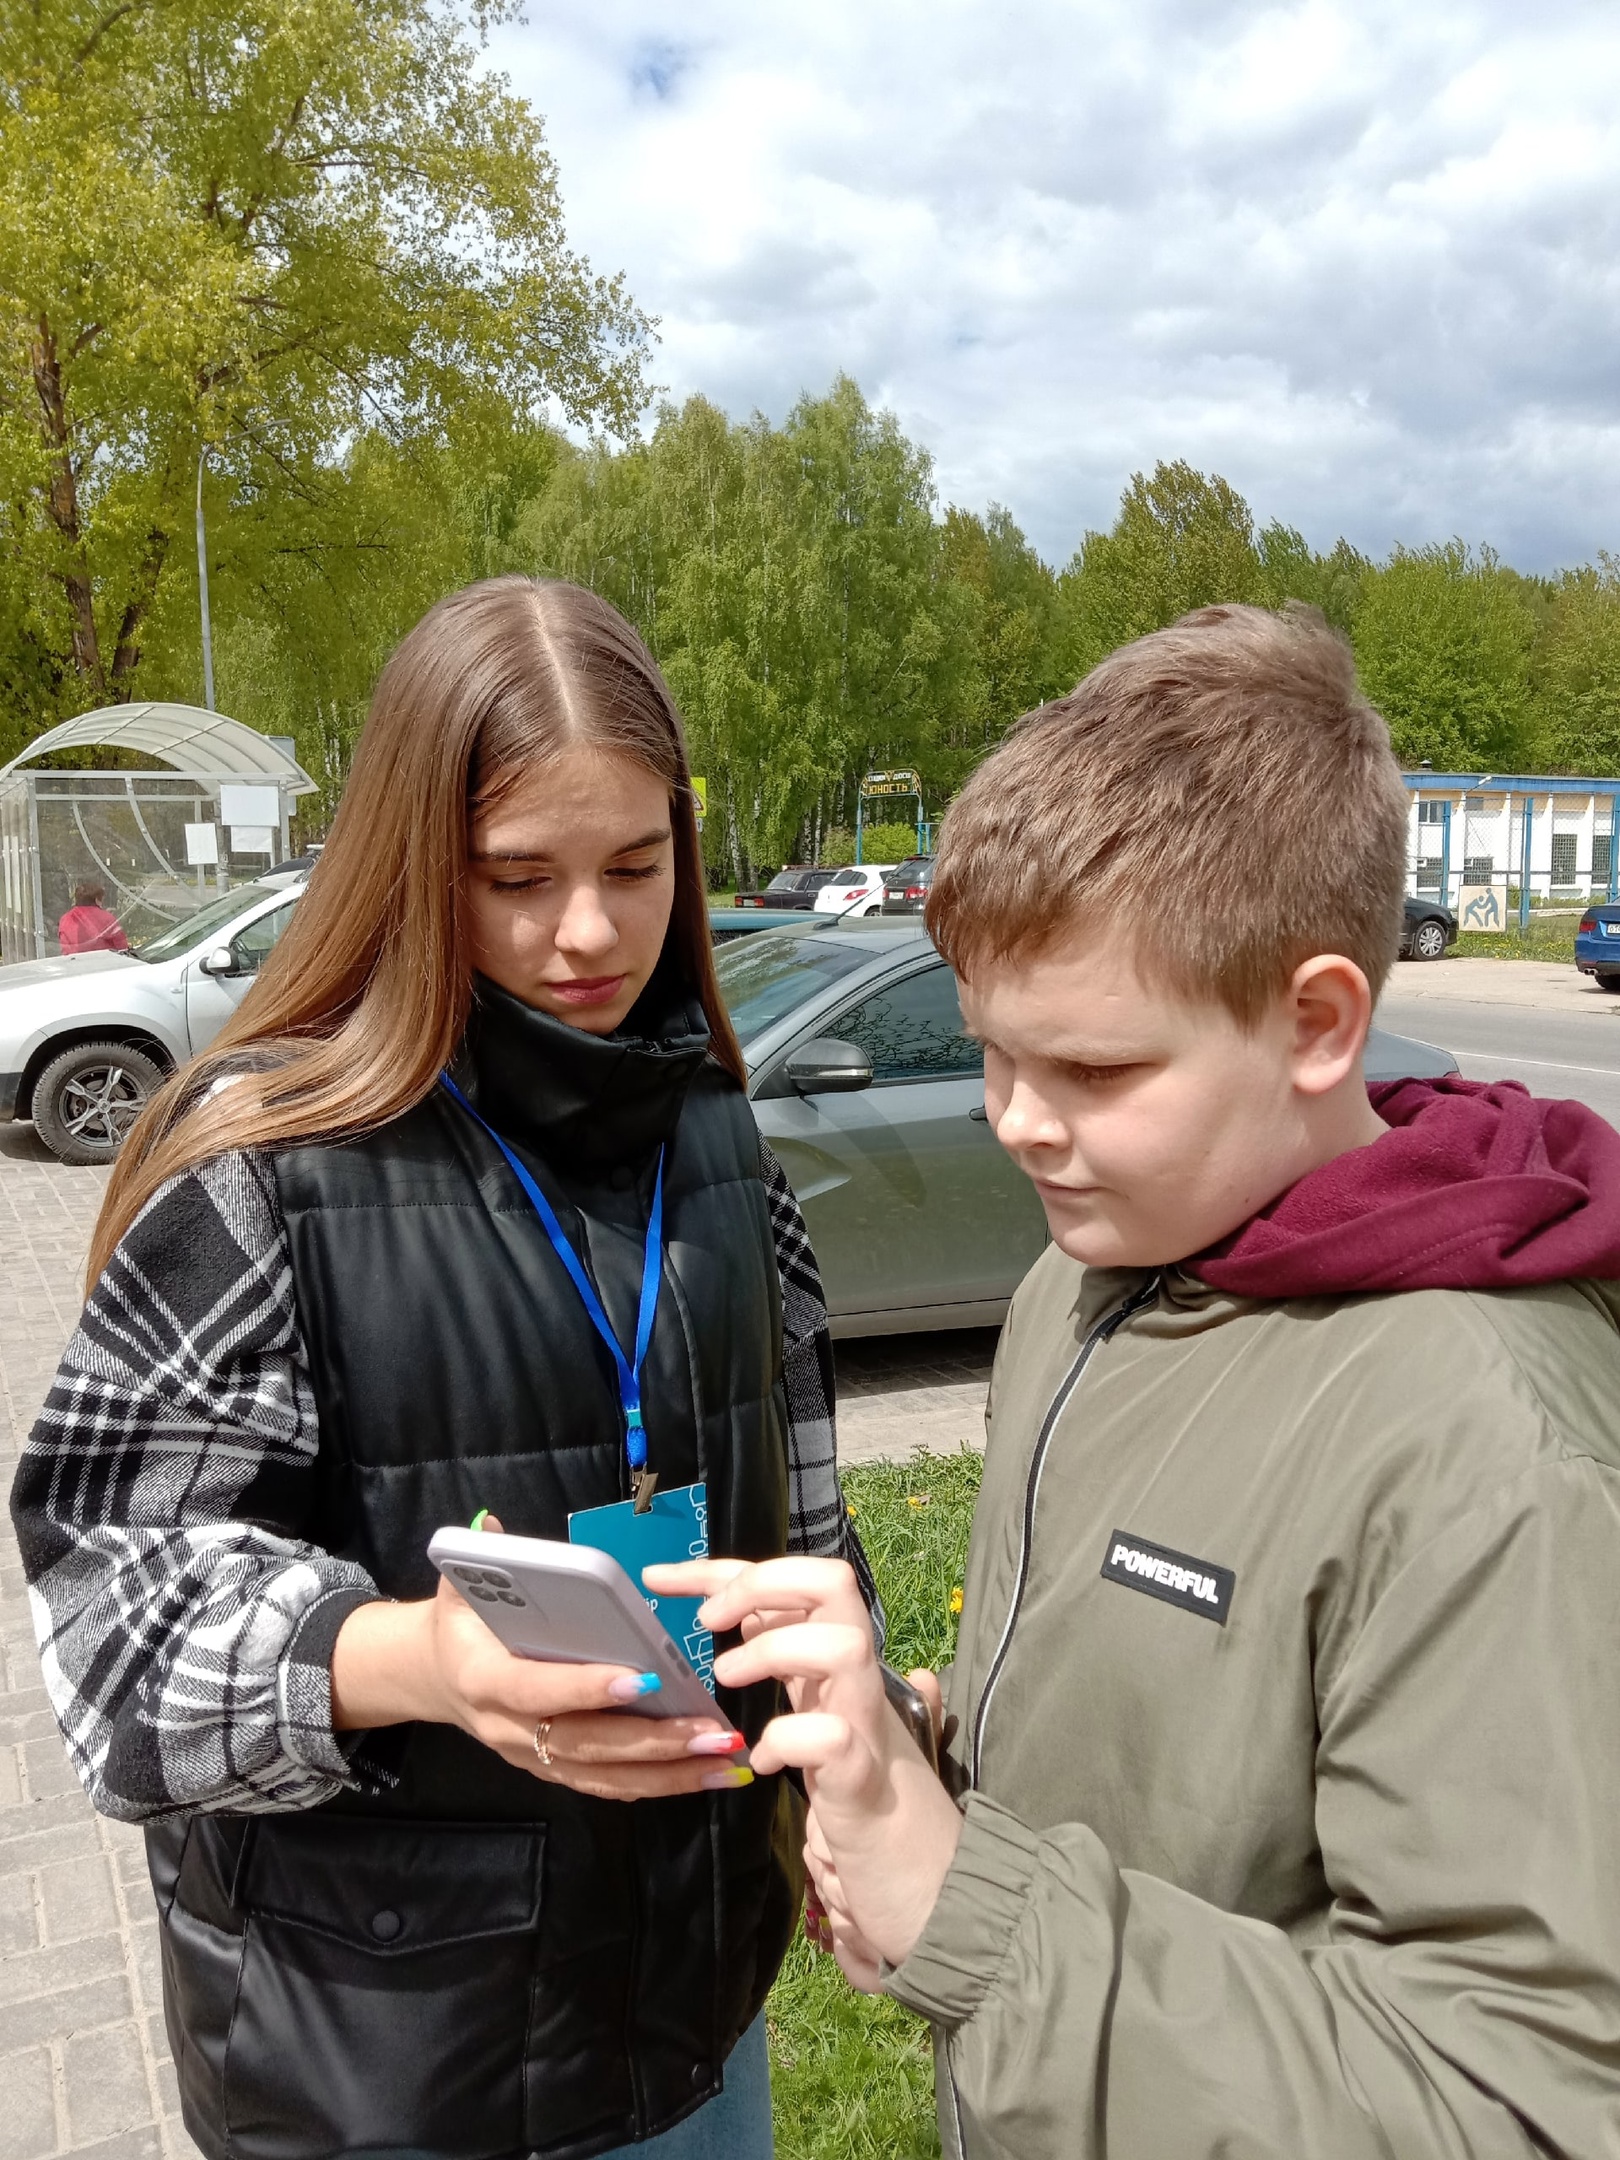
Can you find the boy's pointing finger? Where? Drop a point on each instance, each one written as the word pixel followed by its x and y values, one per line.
pixel 812 1650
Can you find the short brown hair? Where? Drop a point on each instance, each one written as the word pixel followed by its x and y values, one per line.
pixel 1221 788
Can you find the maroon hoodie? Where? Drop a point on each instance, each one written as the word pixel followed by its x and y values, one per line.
pixel 1476 1186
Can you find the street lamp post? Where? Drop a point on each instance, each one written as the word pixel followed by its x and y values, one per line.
pixel 202 587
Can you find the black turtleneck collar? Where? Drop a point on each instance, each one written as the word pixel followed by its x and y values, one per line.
pixel 585 1100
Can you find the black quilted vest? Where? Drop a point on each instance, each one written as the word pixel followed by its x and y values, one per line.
pixel 463 1960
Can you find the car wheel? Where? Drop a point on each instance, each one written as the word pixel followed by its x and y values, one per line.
pixel 1607 978
pixel 86 1100
pixel 1429 941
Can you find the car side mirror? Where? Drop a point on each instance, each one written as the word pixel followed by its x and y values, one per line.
pixel 221 961
pixel 826 1066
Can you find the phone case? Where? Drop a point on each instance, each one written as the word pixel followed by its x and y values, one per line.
pixel 572 1605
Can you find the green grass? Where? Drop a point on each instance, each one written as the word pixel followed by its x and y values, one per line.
pixel 1549 937
pixel 852 2075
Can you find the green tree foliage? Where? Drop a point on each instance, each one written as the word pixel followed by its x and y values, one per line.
pixel 1182 540
pixel 791 582
pixel 1577 670
pixel 267 228
pixel 1444 641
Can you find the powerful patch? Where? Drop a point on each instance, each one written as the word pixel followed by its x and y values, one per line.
pixel 1195 1585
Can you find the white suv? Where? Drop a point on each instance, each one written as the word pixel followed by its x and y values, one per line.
pixel 84 1040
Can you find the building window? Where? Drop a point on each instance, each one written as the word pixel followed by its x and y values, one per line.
pixel 1563 857
pixel 1428 874
pixel 1431 813
pixel 1602 856
pixel 1478 869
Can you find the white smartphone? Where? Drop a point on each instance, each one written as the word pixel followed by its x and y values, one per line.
pixel 570 1605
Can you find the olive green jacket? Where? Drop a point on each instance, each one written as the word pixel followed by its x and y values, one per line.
pixel 1288 1693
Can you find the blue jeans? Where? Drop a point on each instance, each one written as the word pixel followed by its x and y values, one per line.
pixel 735 2125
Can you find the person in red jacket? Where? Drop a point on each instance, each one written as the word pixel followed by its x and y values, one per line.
pixel 88 926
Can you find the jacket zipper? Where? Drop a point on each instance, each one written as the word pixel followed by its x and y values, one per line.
pixel 1100 1333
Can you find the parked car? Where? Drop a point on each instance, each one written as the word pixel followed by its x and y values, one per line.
pixel 905 889
pixel 1597 945
pixel 1428 929
pixel 794 887
pixel 873 1099
pixel 85 1039
pixel 726 923
pixel 857 890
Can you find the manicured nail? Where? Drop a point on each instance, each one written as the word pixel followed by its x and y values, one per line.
pixel 716 1743
pixel 727 1779
pixel 634 1684
pixel 478 1520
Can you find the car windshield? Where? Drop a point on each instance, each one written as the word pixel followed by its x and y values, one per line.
pixel 764 978
pixel 195 930
pixel 785 881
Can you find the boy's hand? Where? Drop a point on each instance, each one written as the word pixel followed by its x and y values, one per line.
pixel 884 1829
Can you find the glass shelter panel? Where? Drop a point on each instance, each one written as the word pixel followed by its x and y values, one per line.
pixel 119 840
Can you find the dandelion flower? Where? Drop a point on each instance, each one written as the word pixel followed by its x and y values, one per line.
pixel 917 1499
pixel 849 1507
pixel 955 1599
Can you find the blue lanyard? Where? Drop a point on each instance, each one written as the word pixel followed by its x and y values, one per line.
pixel 635 1438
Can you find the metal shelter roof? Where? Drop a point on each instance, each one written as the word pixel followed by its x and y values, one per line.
pixel 187 737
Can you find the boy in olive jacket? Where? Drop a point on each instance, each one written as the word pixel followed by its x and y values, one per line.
pixel 1284 1730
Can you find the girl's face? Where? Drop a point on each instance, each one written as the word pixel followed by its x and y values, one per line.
pixel 570 887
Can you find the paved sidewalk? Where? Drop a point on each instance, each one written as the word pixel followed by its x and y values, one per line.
pixel 1536 985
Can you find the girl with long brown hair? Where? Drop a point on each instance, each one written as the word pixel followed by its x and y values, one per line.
pixel 418 1895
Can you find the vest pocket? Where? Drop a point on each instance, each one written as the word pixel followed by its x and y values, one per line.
pixel 385 1983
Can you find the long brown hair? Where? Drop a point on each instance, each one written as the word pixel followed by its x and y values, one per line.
pixel 365 998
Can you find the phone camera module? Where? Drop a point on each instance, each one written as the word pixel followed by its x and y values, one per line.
pixel 496 1580
pixel 509 1597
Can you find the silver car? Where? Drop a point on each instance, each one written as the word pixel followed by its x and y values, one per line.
pixel 873 1098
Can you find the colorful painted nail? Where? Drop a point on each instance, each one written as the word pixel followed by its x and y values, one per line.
pixel 727 1779
pixel 477 1522
pixel 716 1743
pixel 634 1684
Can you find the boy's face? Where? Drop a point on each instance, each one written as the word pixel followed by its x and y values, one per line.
pixel 1153 1125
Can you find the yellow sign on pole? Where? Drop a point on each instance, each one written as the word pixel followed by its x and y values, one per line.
pixel 700 788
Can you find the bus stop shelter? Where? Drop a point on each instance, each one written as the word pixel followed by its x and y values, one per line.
pixel 193 803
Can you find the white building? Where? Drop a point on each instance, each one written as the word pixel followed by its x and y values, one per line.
pixel 1481 829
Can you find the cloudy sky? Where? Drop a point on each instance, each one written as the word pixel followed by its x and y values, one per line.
pixel 1362 259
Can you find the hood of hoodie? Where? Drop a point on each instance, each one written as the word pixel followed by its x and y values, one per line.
pixel 1476 1186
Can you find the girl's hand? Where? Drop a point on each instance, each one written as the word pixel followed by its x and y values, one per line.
pixel 436 1660
pixel 884 1828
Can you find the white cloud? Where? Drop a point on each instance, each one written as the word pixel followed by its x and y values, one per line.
pixel 1362 259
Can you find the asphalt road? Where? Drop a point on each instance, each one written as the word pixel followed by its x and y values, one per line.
pixel 1574 1056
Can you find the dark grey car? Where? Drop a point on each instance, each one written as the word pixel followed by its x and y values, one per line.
pixel 873 1098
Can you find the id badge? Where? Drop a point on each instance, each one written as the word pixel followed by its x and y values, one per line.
pixel 675 1527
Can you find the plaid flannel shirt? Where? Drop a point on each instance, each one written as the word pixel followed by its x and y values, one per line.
pixel 186 1641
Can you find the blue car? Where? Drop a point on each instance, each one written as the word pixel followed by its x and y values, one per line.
pixel 1597 945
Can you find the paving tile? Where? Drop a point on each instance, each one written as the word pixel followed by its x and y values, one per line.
pixel 107 2088
pixel 176 2145
pixel 74 2009
pixel 56 1966
pixel 56 1811
pixel 47 1768
pixel 19 1915
pixel 145 2143
pixel 11 1792
pixel 77 1897
pixel 24 1846
pixel 146 1953
pixel 28 2114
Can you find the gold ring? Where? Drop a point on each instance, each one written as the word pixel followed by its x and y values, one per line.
pixel 542 1742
